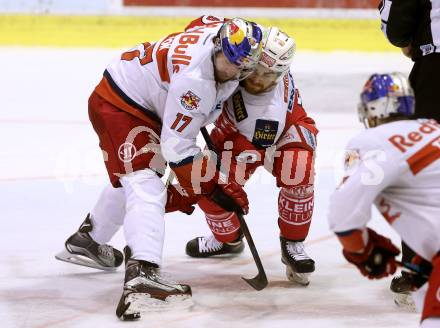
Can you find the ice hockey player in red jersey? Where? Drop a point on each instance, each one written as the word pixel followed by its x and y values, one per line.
pixel 147 111
pixel 264 123
pixel 395 165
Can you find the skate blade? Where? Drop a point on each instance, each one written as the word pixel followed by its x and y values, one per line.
pixel 65 256
pixel 405 301
pixel 300 278
pixel 141 303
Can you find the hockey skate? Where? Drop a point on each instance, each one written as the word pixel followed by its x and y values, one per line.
pixel 209 246
pixel 81 249
pixel 299 265
pixel 146 290
pixel 401 287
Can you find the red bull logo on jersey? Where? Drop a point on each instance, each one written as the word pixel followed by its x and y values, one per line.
pixel 405 142
pixel 190 100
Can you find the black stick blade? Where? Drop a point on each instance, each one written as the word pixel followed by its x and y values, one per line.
pixel 259 282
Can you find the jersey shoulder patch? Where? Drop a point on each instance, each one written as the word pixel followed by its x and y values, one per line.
pixel 190 100
pixel 239 107
pixel 352 159
pixel 265 133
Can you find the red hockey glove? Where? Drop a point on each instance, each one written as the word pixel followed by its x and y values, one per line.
pixel 178 202
pixel 378 257
pixel 194 178
pixel 231 197
pixel 197 176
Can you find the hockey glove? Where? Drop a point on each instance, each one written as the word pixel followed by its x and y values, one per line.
pixel 176 201
pixel 196 175
pixel 377 259
pixel 229 195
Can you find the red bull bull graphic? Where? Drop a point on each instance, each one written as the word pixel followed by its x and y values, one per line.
pixel 190 100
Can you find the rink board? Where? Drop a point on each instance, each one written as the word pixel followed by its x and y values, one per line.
pixel 317 34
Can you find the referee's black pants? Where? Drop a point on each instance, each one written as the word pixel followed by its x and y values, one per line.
pixel 425 80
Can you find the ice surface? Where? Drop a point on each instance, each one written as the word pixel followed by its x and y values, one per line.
pixel 51 173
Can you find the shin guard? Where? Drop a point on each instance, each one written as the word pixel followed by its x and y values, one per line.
pixel 224 225
pixel 295 207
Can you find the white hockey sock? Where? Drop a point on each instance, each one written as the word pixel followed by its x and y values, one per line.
pixel 108 214
pixel 144 224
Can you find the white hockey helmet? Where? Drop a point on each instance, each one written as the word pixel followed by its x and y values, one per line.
pixel 278 51
pixel 384 96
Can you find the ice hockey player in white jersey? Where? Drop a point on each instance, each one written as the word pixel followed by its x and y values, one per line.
pixel 147 111
pixel 395 165
pixel 263 123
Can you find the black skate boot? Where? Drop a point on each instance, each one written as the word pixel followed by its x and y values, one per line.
pixel 209 246
pixel 401 287
pixel 146 290
pixel 81 249
pixel 299 265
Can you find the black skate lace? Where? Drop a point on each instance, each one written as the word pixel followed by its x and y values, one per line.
pixel 158 275
pixel 209 244
pixel 105 251
pixel 296 250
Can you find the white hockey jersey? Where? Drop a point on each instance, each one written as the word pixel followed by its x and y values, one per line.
pixel 260 118
pixel 173 82
pixel 263 118
pixel 396 166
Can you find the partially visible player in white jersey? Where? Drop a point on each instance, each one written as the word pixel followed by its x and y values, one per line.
pixel 147 111
pixel 395 165
pixel 264 123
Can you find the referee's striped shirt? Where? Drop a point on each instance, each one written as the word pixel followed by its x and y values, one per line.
pixel 415 22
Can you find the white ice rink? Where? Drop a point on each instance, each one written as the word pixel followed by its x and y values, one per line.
pixel 51 174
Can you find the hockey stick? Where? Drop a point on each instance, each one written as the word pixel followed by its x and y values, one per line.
pixel 259 282
pixel 414 269
pixel 169 179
